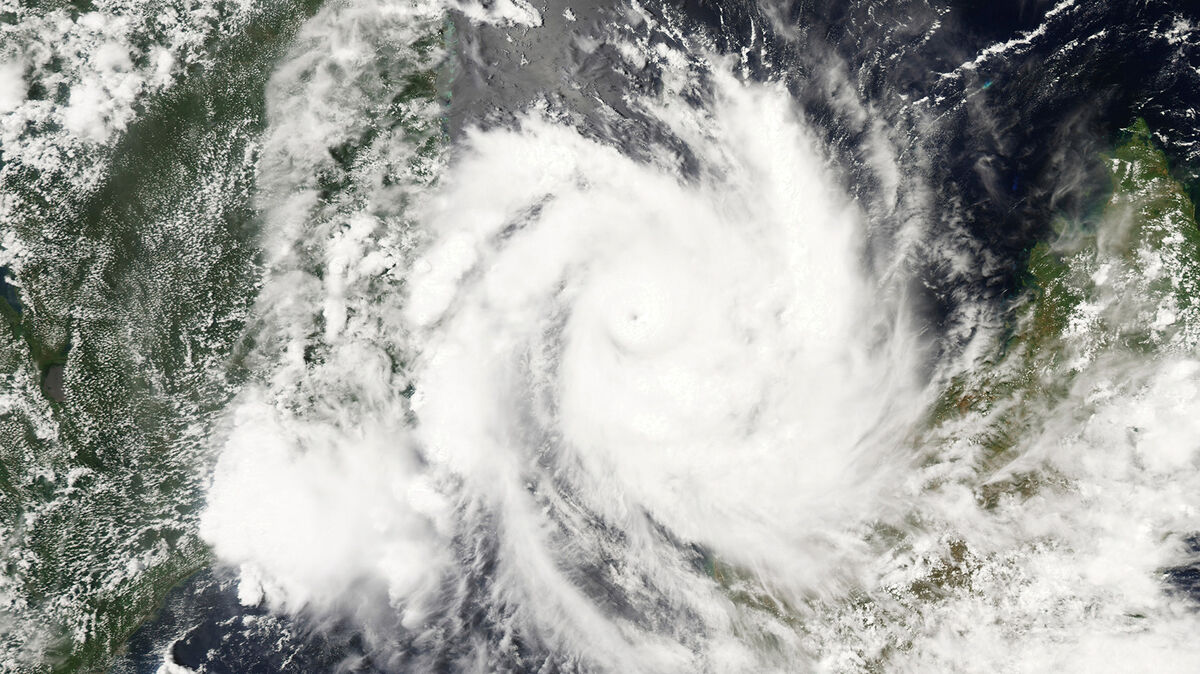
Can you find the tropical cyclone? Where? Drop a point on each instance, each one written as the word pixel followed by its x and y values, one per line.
pixel 631 336
pixel 605 333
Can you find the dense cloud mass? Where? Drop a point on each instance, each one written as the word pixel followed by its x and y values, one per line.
pixel 526 336
pixel 676 360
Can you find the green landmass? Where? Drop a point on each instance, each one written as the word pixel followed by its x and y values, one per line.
pixel 1121 284
pixel 1125 282
pixel 139 291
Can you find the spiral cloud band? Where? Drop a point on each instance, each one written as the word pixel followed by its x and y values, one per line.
pixel 540 402
pixel 686 362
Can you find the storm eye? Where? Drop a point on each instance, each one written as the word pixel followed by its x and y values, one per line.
pixel 642 308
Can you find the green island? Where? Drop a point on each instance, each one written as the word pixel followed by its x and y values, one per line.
pixel 1124 283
